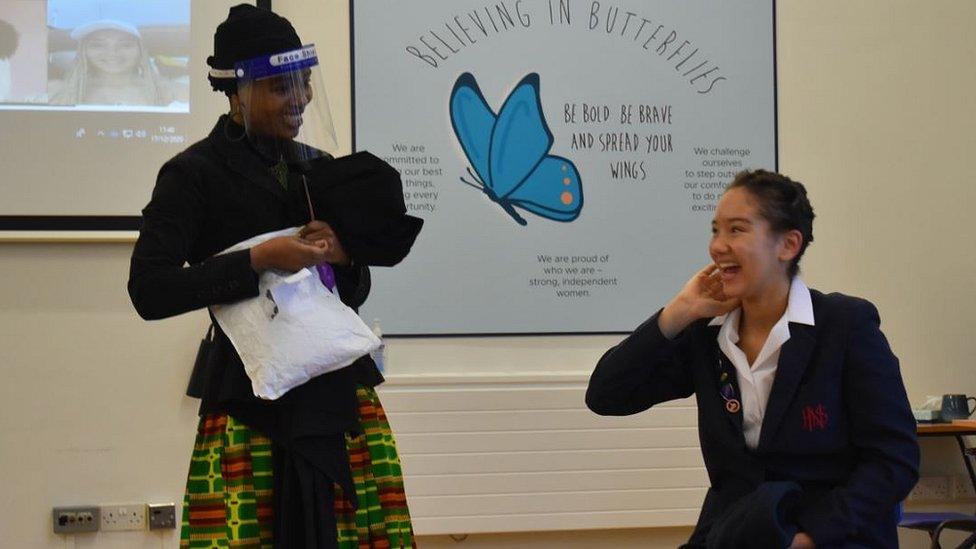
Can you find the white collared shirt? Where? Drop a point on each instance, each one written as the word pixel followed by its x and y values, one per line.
pixel 756 381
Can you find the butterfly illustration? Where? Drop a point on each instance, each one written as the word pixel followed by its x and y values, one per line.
pixel 510 152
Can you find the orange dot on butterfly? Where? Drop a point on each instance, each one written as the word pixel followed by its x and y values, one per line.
pixel 567 181
pixel 567 198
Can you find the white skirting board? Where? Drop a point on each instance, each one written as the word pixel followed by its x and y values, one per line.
pixel 510 452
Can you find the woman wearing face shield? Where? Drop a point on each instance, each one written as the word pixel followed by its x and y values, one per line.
pixel 316 468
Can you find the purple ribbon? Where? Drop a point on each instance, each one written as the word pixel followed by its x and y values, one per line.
pixel 326 275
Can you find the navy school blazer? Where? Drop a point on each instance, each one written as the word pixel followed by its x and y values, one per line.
pixel 838 421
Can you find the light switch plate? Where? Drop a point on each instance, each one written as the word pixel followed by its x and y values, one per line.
pixel 162 516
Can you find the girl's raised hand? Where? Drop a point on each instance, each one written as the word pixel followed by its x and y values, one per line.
pixel 701 297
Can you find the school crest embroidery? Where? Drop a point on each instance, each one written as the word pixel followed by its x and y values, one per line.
pixel 815 418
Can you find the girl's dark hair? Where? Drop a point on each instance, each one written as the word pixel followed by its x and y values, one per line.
pixel 9 38
pixel 783 203
pixel 228 86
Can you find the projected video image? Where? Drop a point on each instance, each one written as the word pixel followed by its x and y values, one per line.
pixel 95 54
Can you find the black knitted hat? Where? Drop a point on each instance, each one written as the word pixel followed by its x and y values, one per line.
pixel 248 32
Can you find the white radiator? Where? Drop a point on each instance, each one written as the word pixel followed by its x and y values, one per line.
pixel 522 453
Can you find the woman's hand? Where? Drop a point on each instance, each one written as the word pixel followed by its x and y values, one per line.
pixel 319 231
pixel 702 297
pixel 802 541
pixel 288 253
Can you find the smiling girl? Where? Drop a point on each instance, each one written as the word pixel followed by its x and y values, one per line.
pixel 798 392
pixel 112 67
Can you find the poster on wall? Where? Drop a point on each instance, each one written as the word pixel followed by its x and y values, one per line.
pixel 566 155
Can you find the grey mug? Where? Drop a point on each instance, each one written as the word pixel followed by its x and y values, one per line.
pixel 956 407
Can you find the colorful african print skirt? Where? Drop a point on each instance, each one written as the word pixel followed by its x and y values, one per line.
pixel 229 489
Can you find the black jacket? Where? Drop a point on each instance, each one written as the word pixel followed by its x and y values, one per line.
pixel 854 464
pixel 216 193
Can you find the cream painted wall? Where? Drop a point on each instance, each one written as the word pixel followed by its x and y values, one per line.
pixel 876 117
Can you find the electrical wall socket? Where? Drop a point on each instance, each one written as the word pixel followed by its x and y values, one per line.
pixel 71 520
pixel 162 516
pixel 931 489
pixel 124 516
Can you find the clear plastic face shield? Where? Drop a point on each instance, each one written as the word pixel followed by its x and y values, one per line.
pixel 284 107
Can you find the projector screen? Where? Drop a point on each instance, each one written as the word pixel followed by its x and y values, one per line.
pixel 95 95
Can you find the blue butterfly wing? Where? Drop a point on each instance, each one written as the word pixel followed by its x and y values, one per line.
pixel 473 122
pixel 520 139
pixel 554 190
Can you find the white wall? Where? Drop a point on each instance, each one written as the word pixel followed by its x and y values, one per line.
pixel 876 117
